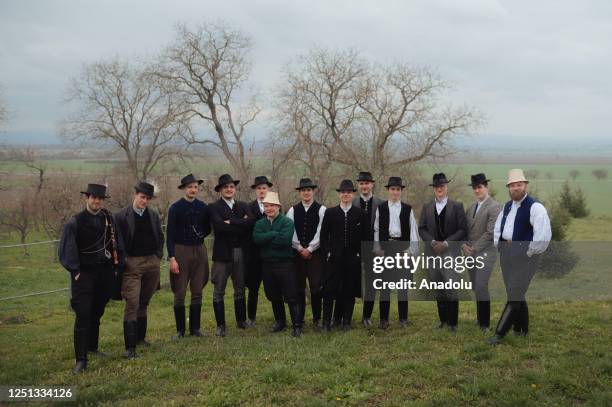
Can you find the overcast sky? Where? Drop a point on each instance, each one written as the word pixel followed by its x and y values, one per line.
pixel 535 68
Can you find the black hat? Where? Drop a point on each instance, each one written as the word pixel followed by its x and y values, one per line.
pixel 439 179
pixel 225 179
pixel 365 176
pixel 262 179
pixel 189 179
pixel 96 190
pixel 478 179
pixel 346 185
pixel 395 182
pixel 145 188
pixel 306 183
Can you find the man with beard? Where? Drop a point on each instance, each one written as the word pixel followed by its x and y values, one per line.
pixel 261 185
pixel 307 216
pixel 233 222
pixel 344 228
pixel 442 226
pixel 142 237
pixel 188 226
pixel 89 250
pixel 522 234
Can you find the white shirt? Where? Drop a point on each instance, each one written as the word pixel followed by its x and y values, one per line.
pixel 538 218
pixel 440 205
pixel 138 211
pixel 347 208
pixel 395 227
pixel 261 207
pixel 315 243
pixel 479 204
pixel 229 203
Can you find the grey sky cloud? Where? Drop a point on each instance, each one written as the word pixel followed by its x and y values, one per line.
pixel 534 68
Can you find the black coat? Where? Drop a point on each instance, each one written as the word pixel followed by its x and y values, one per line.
pixel 235 234
pixel 125 229
pixel 455 226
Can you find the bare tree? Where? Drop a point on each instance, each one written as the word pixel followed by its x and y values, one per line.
pixel 60 200
pixel 600 174
pixel 122 104
pixel 4 113
pixel 32 159
pixel 574 174
pixel 20 216
pixel 377 117
pixel 208 67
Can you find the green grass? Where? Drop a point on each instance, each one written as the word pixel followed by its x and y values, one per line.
pixel 566 359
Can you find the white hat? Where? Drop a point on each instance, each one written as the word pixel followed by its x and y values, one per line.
pixel 516 175
pixel 272 198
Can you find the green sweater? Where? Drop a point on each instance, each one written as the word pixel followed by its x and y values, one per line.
pixel 274 239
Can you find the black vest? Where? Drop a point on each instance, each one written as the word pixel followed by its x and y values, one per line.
pixel 143 242
pixel 440 224
pixel 306 223
pixel 367 205
pixel 383 221
pixel 90 238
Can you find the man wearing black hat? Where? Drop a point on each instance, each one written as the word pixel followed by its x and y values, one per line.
pixel 233 222
pixel 395 222
pixel 254 276
pixel 307 216
pixel 442 226
pixel 344 228
pixel 89 250
pixel 369 203
pixel 481 217
pixel 140 230
pixel 188 226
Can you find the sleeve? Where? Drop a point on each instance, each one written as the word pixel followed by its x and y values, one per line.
pixel 170 230
pixel 425 235
pixel 461 231
pixel 244 224
pixel 218 223
pixel 414 234
pixel 542 233
pixel 295 243
pixel 315 243
pixel 325 240
pixel 487 237
pixel 160 233
pixel 206 227
pixel 260 235
pixel 366 227
pixel 497 228
pixel 68 251
pixel 120 240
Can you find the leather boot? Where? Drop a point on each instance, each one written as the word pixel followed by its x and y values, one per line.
pixel 402 308
pixel 505 323
pixel 483 311
pixel 195 311
pixel 338 313
pixel 521 324
pixel 442 313
pixel 452 314
pixel 348 307
pixel 219 309
pixel 366 317
pixel 130 333
pixel 384 308
pixel 142 332
pixel 94 337
pixel 179 318
pixel 240 312
pixel 280 319
pixel 252 306
pixel 328 306
pixel 296 320
pixel 81 343
pixel 316 308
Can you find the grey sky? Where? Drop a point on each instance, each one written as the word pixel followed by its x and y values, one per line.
pixel 535 68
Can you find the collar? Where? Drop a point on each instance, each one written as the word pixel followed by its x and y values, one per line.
pixel 346 208
pixel 518 203
pixel 366 198
pixel 229 202
pixel 306 206
pixel 92 212
pixel 140 212
pixel 484 200
pixel 441 202
pixel 395 203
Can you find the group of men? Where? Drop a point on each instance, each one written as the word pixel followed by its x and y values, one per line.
pixel 309 246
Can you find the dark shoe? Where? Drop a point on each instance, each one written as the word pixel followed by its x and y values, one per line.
pixel 179 318
pixel 441 325
pixel 403 323
pixel 142 332
pixel 452 328
pixel 317 323
pixel 494 340
pixel 98 353
pixel 383 324
pixel 130 333
pixel 130 354
pixel 279 326
pixel 346 327
pixel 366 322
pixel 80 366
pixel 197 333
pixel 195 312
pixel 241 325
pixel 220 331
pixel 250 323
pixel 327 326
pixel 297 332
pixel 179 335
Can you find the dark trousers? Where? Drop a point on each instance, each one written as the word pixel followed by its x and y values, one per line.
pixel 309 270
pixel 254 279
pixel 90 292
pixel 402 305
pixel 280 286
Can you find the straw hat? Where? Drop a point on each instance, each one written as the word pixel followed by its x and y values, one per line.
pixel 516 175
pixel 272 198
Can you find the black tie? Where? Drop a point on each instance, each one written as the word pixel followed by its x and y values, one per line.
pixel 475 209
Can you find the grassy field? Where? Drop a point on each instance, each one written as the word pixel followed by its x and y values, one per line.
pixel 566 359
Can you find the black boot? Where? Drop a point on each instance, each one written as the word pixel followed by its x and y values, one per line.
pixel 452 314
pixel 366 317
pixel 348 307
pixel 81 343
pixel 219 309
pixel 130 334
pixel 483 311
pixel 252 306
pixel 179 318
pixel 384 307
pixel 338 312
pixel 296 320
pixel 505 323
pixel 240 312
pixel 195 311
pixel 328 308
pixel 280 319
pixel 521 323
pixel 442 313
pixel 402 308
pixel 142 332
pixel 316 300
pixel 94 337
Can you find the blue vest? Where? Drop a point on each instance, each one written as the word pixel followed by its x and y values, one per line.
pixel 523 231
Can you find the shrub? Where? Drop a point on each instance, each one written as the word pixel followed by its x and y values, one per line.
pixel 573 200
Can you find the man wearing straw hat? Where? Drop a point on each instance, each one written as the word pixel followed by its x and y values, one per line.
pixel 140 230
pixel 89 250
pixel 344 227
pixel 481 217
pixel 273 234
pixel 442 226
pixel 307 216
pixel 254 275
pixel 188 226
pixel 522 233
pixel 233 222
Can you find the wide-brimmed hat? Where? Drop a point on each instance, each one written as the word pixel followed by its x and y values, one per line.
pixel 365 176
pixel 271 198
pixel 145 188
pixel 189 179
pixel 439 179
pixel 346 185
pixel 306 183
pixel 262 179
pixel 224 180
pixel 516 175
pixel 96 190
pixel 478 179
pixel 395 182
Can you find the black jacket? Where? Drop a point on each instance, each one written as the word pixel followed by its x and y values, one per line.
pixel 124 220
pixel 235 234
pixel 455 225
pixel 332 230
